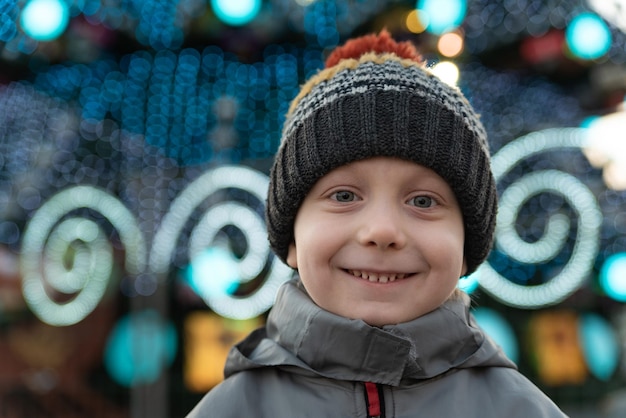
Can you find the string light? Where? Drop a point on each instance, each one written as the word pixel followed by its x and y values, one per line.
pixel 57 237
pixel 246 220
pixel 249 223
pixel 144 94
pixel 585 249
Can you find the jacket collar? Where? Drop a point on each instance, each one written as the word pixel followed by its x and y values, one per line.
pixel 346 349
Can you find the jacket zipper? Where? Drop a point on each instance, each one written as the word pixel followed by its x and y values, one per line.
pixel 374 400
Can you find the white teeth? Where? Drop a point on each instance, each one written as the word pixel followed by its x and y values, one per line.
pixel 375 278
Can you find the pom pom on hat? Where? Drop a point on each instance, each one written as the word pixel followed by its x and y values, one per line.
pixel 376 98
pixel 379 44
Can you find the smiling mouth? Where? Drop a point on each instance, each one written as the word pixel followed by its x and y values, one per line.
pixel 378 277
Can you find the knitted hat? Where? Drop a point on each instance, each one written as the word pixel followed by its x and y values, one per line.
pixel 375 97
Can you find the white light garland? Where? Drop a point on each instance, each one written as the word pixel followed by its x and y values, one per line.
pixel 578 196
pixel 52 235
pixel 248 221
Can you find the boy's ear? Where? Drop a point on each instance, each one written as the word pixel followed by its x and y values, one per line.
pixel 292 258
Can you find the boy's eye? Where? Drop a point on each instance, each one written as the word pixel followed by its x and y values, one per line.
pixel 344 196
pixel 422 201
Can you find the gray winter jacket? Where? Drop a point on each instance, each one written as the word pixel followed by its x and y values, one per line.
pixel 307 362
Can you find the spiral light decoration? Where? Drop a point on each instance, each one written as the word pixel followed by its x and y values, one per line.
pixel 71 257
pixel 234 213
pixel 575 193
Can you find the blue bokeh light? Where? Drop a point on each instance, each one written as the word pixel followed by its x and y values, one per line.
pixel 442 15
pixel 213 273
pixel 236 13
pixel 174 99
pixel 498 328
pixel 469 284
pixel 45 20
pixel 600 346
pixel 140 345
pixel 588 36
pixel 613 277
pixel 8 28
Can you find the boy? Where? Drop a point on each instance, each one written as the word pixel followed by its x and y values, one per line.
pixel 381 197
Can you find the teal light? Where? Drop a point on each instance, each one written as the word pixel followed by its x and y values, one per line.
pixel 498 328
pixel 600 346
pixel 213 273
pixel 468 284
pixel 588 121
pixel 45 20
pixel 139 347
pixel 442 15
pixel 236 12
pixel 613 277
pixel 588 36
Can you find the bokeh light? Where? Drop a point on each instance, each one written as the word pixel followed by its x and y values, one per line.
pixel 442 15
pixel 416 21
pixel 499 329
pixel 613 276
pixel 589 219
pixel 554 338
pixel 53 237
pixel 45 20
pixel 600 345
pixel 450 44
pixel 144 94
pixel 588 36
pixel 446 71
pixel 140 348
pixel 208 340
pixel 613 11
pixel 138 139
pixel 256 262
pixel 468 284
pixel 236 13
pixel 213 273
pixel 606 148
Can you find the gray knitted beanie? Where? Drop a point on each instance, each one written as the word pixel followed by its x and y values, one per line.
pixel 376 98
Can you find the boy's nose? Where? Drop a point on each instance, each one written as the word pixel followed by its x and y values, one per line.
pixel 382 229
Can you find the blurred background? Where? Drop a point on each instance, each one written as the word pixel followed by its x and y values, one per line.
pixel 135 141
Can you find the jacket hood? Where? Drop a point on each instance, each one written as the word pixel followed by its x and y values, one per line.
pixel 304 338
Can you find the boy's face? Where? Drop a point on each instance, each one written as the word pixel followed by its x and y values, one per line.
pixel 380 240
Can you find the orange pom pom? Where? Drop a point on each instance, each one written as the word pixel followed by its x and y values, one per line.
pixel 380 44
